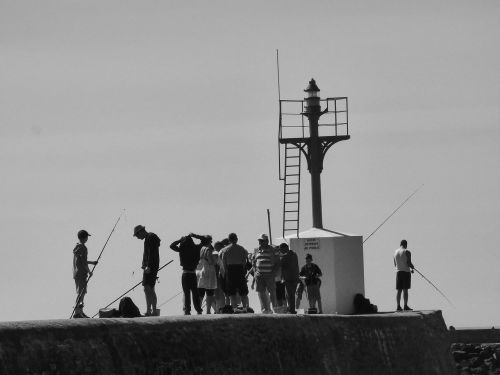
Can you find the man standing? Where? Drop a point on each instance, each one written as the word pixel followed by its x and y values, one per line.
pixel 234 259
pixel 81 271
pixel 150 265
pixel 289 274
pixel 189 255
pixel 265 264
pixel 310 274
pixel 404 269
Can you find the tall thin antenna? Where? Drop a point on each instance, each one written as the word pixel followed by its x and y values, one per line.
pixel 279 106
pixel 278 66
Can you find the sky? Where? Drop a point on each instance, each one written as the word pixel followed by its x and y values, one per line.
pixel 170 111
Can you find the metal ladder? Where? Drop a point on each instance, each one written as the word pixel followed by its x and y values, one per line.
pixel 291 191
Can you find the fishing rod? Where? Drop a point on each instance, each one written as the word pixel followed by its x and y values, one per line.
pixel 95 264
pixel 435 287
pixel 170 299
pixel 393 212
pixel 131 289
pixel 269 226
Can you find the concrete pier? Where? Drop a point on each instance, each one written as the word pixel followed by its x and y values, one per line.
pixel 405 343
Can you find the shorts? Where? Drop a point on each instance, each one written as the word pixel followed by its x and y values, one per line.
pixel 403 280
pixel 149 279
pixel 236 281
pixel 81 285
pixel 313 292
pixel 263 282
pixel 280 290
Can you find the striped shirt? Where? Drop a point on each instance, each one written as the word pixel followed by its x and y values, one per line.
pixel 264 260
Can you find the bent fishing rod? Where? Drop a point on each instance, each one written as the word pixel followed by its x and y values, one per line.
pixel 434 286
pixel 131 289
pixel 393 212
pixel 95 264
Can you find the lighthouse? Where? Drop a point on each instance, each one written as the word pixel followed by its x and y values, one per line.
pixel 308 128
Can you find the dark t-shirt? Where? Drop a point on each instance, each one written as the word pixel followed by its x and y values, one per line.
pixel 80 254
pixel 151 256
pixel 290 267
pixel 311 272
pixel 189 254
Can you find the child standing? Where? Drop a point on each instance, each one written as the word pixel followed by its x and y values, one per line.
pixel 310 274
pixel 81 271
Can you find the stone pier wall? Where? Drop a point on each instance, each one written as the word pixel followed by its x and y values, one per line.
pixel 409 343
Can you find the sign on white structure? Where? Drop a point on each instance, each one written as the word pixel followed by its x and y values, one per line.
pixel 312 244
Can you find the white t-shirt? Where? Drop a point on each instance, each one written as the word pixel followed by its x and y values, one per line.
pixel 401 260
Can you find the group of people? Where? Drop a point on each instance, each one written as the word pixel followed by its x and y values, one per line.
pixel 218 274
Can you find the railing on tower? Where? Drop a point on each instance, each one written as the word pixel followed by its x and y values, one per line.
pixel 293 138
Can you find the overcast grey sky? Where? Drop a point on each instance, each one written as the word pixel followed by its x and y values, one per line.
pixel 169 109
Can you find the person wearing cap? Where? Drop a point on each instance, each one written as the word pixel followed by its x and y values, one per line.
pixel 310 275
pixel 289 274
pixel 81 271
pixel 189 256
pixel 265 264
pixel 234 260
pixel 150 265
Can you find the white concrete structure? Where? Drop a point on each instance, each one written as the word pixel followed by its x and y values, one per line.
pixel 340 258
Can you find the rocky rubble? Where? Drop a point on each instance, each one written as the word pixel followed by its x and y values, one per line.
pixel 476 358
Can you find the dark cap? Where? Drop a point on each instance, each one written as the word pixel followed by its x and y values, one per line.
pixel 263 237
pixel 309 256
pixel 138 228
pixel 83 233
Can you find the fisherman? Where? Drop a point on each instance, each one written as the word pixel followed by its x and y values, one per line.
pixel 404 269
pixel 189 256
pixel 234 259
pixel 81 271
pixel 265 264
pixel 289 274
pixel 150 265
pixel 310 275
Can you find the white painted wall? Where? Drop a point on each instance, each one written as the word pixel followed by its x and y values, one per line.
pixel 340 258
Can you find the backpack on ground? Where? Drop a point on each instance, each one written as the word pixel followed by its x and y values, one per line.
pixel 228 309
pixel 363 305
pixel 128 309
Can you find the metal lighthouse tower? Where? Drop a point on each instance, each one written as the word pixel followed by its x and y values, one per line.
pixel 309 128
pixel 312 143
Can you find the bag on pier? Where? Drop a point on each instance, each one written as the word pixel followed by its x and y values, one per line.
pixel 363 305
pixel 128 309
